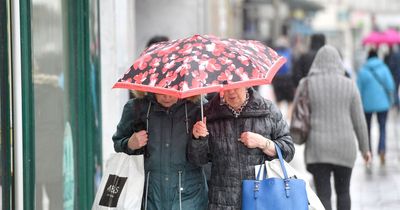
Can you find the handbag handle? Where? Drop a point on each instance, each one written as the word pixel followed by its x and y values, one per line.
pixel 278 150
pixel 264 168
pixel 264 174
pixel 286 179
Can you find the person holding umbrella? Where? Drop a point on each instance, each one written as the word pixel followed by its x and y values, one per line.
pixel 149 125
pixel 158 126
pixel 240 131
pixel 192 66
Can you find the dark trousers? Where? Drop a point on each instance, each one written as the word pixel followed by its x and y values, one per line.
pixel 322 180
pixel 382 116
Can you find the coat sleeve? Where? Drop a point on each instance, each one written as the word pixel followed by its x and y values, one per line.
pixel 125 129
pixel 281 135
pixel 198 151
pixel 359 122
pixel 389 81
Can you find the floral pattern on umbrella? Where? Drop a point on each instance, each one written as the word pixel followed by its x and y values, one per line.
pixel 201 64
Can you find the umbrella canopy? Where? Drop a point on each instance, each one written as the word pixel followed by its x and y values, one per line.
pixel 201 64
pixel 374 38
pixel 389 37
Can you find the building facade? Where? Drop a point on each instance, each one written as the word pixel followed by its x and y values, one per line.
pixel 50 104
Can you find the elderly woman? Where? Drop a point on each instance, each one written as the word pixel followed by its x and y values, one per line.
pixel 160 127
pixel 241 131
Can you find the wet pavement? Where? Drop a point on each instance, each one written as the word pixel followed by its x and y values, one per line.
pixel 379 186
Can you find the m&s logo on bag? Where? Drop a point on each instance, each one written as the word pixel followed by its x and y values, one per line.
pixel 112 190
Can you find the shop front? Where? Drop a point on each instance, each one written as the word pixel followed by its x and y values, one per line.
pixel 50 120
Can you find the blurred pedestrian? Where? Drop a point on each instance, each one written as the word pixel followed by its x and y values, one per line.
pixel 283 81
pixel 303 63
pixel 153 40
pixel 159 126
pixel 336 115
pixel 375 83
pixel 392 60
pixel 241 131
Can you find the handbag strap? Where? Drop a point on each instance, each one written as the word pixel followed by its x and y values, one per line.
pixel 264 174
pixel 387 91
pixel 279 152
pixel 264 168
pixel 286 179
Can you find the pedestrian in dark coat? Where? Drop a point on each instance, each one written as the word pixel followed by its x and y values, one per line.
pixel 303 63
pixel 392 60
pixel 160 127
pixel 240 132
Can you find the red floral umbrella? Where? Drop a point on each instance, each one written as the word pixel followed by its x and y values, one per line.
pixel 201 64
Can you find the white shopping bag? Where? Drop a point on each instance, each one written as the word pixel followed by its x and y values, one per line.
pixel 274 169
pixel 121 187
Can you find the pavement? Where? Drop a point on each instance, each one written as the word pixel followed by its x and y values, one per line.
pixel 379 186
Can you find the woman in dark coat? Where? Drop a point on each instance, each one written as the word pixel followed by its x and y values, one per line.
pixel 160 127
pixel 241 131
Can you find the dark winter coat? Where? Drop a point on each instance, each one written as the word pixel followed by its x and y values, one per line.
pixel 303 64
pixel 165 160
pixel 231 160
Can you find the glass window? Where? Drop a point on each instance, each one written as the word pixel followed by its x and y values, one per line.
pixel 94 88
pixel 54 153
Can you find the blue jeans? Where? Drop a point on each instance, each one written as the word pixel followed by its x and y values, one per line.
pixel 382 117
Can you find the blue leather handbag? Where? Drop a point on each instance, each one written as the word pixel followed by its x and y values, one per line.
pixel 274 193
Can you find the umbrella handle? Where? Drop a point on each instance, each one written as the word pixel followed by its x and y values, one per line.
pixel 201 107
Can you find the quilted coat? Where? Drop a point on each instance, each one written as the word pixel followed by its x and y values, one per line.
pixel 231 160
